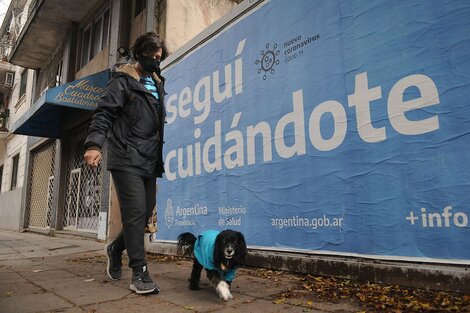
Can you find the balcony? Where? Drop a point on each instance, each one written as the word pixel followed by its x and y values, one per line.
pixel 46 27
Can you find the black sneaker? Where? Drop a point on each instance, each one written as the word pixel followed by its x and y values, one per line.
pixel 141 282
pixel 114 267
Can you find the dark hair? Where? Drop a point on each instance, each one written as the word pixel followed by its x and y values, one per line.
pixel 148 43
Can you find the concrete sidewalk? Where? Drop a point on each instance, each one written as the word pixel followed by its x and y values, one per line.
pixel 40 273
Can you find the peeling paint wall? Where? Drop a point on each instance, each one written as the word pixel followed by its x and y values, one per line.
pixel 187 18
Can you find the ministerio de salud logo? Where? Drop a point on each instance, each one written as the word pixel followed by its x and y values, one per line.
pixel 269 59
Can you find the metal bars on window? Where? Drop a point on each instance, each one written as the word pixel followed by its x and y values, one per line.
pixel 41 186
pixel 82 193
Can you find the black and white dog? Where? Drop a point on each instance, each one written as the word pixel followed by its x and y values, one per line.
pixel 220 253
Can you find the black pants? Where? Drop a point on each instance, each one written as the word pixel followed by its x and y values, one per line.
pixel 137 198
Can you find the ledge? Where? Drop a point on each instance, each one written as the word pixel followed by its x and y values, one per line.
pixel 453 278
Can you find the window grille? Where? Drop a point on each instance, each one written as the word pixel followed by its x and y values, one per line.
pixel 82 194
pixel 41 185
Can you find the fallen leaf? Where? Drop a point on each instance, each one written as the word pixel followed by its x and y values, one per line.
pixel 279 301
pixel 445 302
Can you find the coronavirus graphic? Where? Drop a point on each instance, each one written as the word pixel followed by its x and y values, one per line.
pixel 268 60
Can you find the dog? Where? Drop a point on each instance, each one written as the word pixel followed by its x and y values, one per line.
pixel 220 253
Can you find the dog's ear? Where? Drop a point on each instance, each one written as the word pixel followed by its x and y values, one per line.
pixel 218 250
pixel 242 251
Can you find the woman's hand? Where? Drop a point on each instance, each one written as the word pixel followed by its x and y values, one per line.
pixel 92 157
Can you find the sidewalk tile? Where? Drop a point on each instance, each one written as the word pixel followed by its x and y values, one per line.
pixel 258 287
pixel 8 289
pixel 137 304
pixel 257 306
pixel 83 293
pixel 11 277
pixel 203 300
pixel 33 303
pixel 44 277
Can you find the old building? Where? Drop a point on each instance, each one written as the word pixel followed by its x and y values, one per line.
pixel 15 98
pixel 64 54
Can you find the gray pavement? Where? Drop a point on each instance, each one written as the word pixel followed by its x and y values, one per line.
pixel 40 273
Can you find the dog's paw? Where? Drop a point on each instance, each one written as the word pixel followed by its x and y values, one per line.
pixel 224 291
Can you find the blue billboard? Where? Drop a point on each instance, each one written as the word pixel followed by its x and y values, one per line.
pixel 336 127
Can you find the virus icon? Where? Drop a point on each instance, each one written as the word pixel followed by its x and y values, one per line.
pixel 268 60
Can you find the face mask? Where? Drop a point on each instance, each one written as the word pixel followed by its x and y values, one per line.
pixel 150 65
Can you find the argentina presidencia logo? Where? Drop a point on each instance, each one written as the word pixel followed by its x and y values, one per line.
pixel 169 213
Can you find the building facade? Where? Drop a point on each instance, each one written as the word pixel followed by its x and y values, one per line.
pixel 15 98
pixel 61 60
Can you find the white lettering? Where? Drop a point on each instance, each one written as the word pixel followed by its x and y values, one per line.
pixel 397 107
pixel 205 104
pixel 203 93
pixel 340 125
pixel 361 100
pixel 295 117
pixel 237 147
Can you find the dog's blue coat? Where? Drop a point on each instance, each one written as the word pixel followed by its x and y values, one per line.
pixel 204 253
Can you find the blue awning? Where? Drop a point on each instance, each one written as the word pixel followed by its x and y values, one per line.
pixel 46 116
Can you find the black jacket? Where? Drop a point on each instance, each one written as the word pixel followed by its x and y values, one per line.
pixel 132 120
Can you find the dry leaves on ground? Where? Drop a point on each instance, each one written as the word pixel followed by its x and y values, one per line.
pixel 163 258
pixel 383 298
pixel 87 259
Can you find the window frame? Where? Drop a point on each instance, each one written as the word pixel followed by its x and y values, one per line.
pixel 15 164
pixel 85 51
pixel 141 8
pixel 96 37
pixel 23 87
pixel 11 81
pixel 1 177
pixel 58 73
pixel 106 29
pixel 88 50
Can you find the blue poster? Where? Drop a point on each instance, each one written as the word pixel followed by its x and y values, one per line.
pixel 337 127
